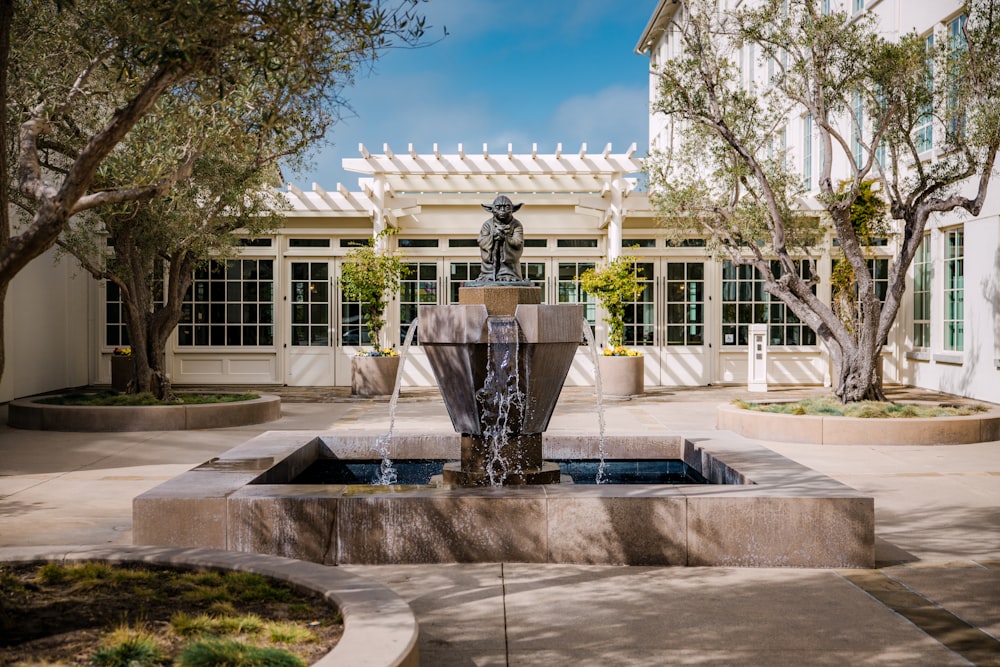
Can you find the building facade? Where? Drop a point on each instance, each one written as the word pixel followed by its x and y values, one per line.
pixel 276 316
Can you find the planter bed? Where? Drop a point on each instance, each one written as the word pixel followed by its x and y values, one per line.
pixel 30 413
pixel 835 430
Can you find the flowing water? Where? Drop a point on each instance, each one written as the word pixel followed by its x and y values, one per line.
pixel 501 399
pixel 383 444
pixel 588 335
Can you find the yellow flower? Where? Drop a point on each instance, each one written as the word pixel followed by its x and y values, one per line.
pixel 621 351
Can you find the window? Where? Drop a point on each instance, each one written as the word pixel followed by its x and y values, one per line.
pixel 954 290
pixel 826 7
pixel 310 297
pixel 418 243
pixel 857 123
pixel 744 302
pixel 535 272
pixel 807 151
pixel 463 243
pixel 922 294
pixel 308 243
pixel 858 5
pixel 420 286
pixel 569 290
pixel 639 314
pixel 230 303
pixel 459 273
pixel 638 243
pixel 924 132
pixel 956 49
pixel 576 243
pixel 685 299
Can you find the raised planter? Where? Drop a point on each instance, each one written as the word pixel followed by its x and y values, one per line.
pixel 373 376
pixel 379 627
pixel 621 376
pixel 29 413
pixel 834 430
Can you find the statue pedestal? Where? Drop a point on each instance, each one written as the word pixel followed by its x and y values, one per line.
pixel 500 301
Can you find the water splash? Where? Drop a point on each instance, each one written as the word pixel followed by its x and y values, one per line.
pixel 383 444
pixel 500 399
pixel 588 335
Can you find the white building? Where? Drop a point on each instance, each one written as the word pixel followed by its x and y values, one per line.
pixel 275 316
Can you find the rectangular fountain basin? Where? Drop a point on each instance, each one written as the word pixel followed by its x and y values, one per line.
pixel 759 509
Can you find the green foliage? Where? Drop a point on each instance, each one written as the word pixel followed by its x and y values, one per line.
pixel 368 274
pixel 869 219
pixel 112 398
pixel 615 285
pixel 129 647
pixel 230 653
pixel 831 406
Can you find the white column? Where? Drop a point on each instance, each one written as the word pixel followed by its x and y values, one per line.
pixel 378 210
pixel 615 222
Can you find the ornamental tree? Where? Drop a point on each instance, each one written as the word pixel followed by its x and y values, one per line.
pixel 369 274
pixel 615 285
pixel 726 175
pixel 76 78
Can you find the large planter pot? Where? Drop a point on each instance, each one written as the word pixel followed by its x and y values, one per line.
pixel 122 372
pixel 373 376
pixel 621 376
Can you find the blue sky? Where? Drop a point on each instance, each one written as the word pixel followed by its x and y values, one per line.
pixel 508 71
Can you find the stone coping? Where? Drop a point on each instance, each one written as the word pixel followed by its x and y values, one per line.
pixel 380 629
pixel 29 413
pixel 762 510
pixel 835 430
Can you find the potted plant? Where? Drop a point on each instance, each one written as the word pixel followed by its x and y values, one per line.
pixel 122 369
pixel 615 285
pixel 368 274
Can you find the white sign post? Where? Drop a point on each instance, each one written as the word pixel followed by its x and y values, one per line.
pixel 757 358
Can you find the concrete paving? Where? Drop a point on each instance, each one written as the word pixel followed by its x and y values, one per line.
pixel 934 600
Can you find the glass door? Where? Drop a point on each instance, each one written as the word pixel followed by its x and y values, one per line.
pixel 309 350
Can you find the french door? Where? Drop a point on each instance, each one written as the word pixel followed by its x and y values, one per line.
pixel 310 358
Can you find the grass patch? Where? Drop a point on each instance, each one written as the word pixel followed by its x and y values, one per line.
pixel 113 398
pixel 137 615
pixel 831 406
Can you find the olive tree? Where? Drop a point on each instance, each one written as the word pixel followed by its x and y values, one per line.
pixel 78 77
pixel 725 173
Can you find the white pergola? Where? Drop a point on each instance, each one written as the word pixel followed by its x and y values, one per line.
pixel 392 181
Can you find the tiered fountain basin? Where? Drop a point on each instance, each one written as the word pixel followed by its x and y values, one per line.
pixel 759 509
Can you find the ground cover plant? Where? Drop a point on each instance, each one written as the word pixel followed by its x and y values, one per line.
pixel 831 406
pixel 103 398
pixel 113 615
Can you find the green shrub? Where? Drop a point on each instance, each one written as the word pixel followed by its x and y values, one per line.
pixel 229 653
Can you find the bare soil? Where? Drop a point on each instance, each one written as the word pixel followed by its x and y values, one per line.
pixel 63 622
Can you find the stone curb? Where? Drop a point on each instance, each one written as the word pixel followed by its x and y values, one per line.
pixel 833 430
pixel 28 413
pixel 380 629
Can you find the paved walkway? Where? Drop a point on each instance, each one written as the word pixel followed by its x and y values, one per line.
pixel 934 600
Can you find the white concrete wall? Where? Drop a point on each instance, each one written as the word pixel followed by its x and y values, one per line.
pixel 48 333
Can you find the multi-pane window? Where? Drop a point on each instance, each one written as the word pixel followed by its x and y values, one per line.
pixel 535 272
pixel 857 125
pixel 858 5
pixel 744 302
pixel 420 286
pixel 458 274
pixel 956 48
pixel 685 301
pixel 807 151
pixel 569 289
pixel 954 290
pixel 310 297
pixel 922 294
pixel 826 7
pixel 230 303
pixel 923 134
pixel 115 329
pixel 639 314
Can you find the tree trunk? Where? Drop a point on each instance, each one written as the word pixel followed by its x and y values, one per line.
pixel 859 375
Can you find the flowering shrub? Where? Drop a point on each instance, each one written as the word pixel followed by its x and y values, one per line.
pixel 378 352
pixel 123 351
pixel 621 351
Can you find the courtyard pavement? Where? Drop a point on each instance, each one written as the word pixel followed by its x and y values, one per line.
pixel 934 599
